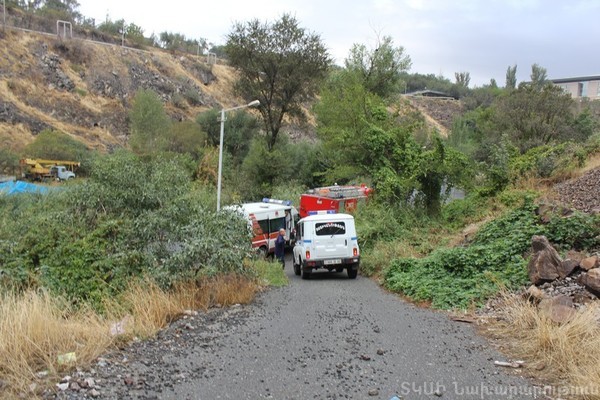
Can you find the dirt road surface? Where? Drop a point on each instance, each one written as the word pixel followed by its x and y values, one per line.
pixel 326 338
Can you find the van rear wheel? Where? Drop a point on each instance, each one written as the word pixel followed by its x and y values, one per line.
pixel 304 273
pixel 352 273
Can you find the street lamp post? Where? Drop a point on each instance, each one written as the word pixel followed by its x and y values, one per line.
pixel 254 103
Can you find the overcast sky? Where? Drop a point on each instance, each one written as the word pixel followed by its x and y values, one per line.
pixel 482 37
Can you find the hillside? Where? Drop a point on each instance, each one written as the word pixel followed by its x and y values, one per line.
pixel 84 88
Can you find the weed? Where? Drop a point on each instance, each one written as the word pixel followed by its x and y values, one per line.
pixel 566 354
pixel 267 271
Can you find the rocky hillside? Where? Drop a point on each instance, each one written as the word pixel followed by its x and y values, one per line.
pixel 439 113
pixel 84 88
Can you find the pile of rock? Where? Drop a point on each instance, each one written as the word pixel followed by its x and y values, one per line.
pixel 560 286
pixel 582 193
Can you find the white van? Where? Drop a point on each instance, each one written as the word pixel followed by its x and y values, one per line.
pixel 326 241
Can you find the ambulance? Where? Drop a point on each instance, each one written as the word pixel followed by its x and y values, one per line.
pixel 265 219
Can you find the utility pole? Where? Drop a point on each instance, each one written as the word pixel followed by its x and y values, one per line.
pixel 3 14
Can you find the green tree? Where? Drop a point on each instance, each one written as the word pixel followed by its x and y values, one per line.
pixel 187 137
pixel 280 64
pixel 441 168
pixel 149 123
pixel 239 130
pixel 511 77
pixel 361 139
pixel 462 78
pixel 287 165
pixel 171 41
pixel 539 76
pixel 380 69
pixel 113 28
pixel 9 162
pixel 532 116
pixel 135 34
pixel 61 9
pixel 343 113
pixel 55 145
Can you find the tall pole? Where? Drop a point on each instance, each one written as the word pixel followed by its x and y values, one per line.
pixel 123 34
pixel 254 103
pixel 3 14
pixel 220 159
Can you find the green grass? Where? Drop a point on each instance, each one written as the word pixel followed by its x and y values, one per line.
pixel 270 272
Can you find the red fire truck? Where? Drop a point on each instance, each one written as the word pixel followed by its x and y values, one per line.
pixel 341 199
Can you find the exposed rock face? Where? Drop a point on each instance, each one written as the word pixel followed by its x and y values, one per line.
pixel 55 76
pixel 11 114
pixel 545 263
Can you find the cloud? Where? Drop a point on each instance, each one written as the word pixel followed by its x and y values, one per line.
pixel 480 37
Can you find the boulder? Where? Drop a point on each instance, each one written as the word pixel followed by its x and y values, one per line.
pixel 591 281
pixel 544 263
pixel 575 255
pixel 590 263
pixel 567 267
pixel 534 294
pixel 558 309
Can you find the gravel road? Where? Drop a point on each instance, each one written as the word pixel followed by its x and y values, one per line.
pixel 325 338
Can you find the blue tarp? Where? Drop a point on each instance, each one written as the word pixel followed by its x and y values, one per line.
pixel 18 187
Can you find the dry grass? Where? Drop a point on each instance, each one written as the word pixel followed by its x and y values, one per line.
pixel 592 163
pixel 564 355
pixel 36 328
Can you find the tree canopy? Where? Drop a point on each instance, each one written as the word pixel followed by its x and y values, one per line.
pixel 280 64
pixel 149 123
pixel 380 68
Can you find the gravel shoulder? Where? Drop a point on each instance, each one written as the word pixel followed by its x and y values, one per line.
pixel 325 338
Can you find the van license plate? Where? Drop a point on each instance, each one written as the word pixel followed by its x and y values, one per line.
pixel 329 262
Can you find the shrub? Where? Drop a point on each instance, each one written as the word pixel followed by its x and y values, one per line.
pixel 133 217
pixel 193 97
pixel 579 231
pixel 466 277
pixel 55 145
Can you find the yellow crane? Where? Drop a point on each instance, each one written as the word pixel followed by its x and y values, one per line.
pixel 38 169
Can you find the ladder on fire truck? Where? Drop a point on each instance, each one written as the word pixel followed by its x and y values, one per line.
pixel 340 192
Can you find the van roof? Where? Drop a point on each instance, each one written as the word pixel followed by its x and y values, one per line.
pixel 252 208
pixel 327 217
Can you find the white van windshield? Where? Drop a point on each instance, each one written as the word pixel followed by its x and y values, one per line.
pixel 330 228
